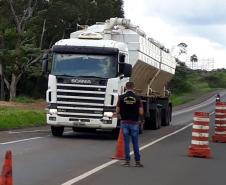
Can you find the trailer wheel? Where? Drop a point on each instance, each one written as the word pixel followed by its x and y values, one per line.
pixel 154 121
pixel 165 117
pixel 147 123
pixel 57 131
pixel 170 114
pixel 141 128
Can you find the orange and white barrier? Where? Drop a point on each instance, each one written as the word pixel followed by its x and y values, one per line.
pixel 6 174
pixel 200 136
pixel 220 123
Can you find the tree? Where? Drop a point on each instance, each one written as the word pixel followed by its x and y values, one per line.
pixel 29 27
pixel 179 83
pixel 3 23
pixel 193 59
pixel 20 50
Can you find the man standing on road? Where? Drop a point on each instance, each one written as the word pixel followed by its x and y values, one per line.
pixel 130 108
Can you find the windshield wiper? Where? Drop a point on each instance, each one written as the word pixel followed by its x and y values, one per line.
pixel 82 76
pixel 65 75
pixel 87 76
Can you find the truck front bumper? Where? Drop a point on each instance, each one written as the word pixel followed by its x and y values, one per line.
pixel 104 124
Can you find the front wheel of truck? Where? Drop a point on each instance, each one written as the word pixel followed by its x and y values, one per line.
pixel 57 131
pixel 115 133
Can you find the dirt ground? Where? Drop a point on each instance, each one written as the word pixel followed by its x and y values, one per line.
pixel 38 105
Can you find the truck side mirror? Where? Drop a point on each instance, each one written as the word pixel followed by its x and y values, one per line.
pixel 45 64
pixel 125 69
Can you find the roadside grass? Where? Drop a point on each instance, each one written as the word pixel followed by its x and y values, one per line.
pixel 179 99
pixel 24 99
pixel 11 118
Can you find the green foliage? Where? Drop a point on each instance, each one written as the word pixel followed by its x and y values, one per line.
pixel 24 99
pixel 16 118
pixel 181 99
pixel 63 17
pixel 216 79
pixel 189 84
pixel 38 26
pixel 179 83
pixel 33 85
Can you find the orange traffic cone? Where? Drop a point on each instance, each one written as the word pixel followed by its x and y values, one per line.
pixel 6 175
pixel 119 148
pixel 200 136
pixel 220 123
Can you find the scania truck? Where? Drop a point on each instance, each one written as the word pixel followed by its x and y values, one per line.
pixel 89 71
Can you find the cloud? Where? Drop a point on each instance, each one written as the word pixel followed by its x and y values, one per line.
pixel 204 12
pixel 199 23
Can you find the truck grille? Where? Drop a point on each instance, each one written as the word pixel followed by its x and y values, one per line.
pixel 80 100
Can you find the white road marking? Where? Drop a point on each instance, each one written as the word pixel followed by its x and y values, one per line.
pixel 27 131
pixel 28 139
pixel 193 108
pixel 22 140
pixel 86 174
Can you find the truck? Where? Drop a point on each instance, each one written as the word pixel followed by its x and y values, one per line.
pixel 88 71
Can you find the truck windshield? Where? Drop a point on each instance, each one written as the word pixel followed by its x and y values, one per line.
pixel 102 66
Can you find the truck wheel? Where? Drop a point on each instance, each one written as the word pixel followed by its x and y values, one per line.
pixel 159 118
pixel 170 114
pixel 141 128
pixel 115 133
pixel 147 123
pixel 154 121
pixel 165 117
pixel 57 131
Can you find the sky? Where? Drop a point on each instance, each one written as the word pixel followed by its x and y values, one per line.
pixel 201 24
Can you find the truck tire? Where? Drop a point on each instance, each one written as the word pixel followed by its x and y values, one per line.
pixel 141 128
pixel 147 123
pixel 170 114
pixel 165 115
pixel 158 121
pixel 154 121
pixel 57 131
pixel 115 133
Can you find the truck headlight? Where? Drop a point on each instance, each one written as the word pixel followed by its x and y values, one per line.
pixel 52 111
pixel 108 114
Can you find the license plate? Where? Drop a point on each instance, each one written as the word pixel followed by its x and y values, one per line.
pixel 79 124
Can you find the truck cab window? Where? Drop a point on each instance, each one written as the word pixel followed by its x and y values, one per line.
pixel 102 66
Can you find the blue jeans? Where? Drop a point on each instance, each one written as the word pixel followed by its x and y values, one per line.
pixel 133 131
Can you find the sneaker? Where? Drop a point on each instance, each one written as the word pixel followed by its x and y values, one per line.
pixel 126 164
pixel 138 164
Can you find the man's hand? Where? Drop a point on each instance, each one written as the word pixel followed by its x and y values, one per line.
pixel 116 115
pixel 141 120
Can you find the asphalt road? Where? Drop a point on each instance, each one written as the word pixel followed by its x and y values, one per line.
pixel 79 158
